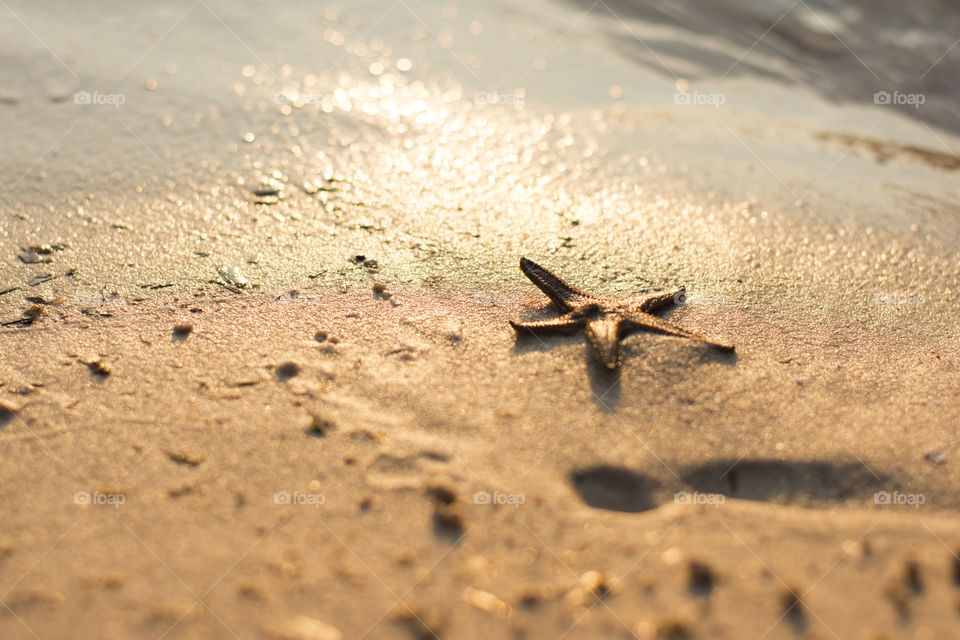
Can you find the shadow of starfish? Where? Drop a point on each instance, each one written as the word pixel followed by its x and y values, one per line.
pixel 605 321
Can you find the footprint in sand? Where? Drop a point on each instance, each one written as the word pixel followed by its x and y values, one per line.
pixel 802 483
pixel 615 488
pixel 805 483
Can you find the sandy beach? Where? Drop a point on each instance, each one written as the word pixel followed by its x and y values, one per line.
pixel 259 264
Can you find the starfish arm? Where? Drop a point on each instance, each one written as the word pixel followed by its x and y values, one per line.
pixel 562 294
pixel 554 325
pixel 655 301
pixel 653 323
pixel 604 335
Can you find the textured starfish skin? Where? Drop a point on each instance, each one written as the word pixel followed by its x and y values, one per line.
pixel 605 321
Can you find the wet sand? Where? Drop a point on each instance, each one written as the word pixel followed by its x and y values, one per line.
pixel 259 379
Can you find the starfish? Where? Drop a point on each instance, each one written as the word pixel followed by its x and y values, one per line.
pixel 605 321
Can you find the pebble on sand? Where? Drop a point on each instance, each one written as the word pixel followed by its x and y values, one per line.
pixel 902 584
pixel 791 604
pixel 182 330
pixel 233 276
pixel 98 368
pixel 673 629
pixel 596 583
pixel 319 426
pixel 287 370
pixel 448 523
pixel 186 458
pixel 701 578
pixel 8 411
pixel 442 495
pixel 419 622
pixel 486 601
pixel 304 628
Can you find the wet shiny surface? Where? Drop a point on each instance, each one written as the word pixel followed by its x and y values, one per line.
pixel 285 141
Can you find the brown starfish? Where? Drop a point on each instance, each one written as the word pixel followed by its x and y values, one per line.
pixel 605 321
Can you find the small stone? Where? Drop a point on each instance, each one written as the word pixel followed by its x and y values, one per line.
pixel 40 278
pixel 34 312
pixel 486 601
pixel 233 276
pixel 421 624
pixel 288 370
pixel 442 495
pixel 596 583
pixel 319 426
pixel 30 257
pixel 253 591
pixel 304 628
pixel 182 330
pixel 448 523
pixel 8 412
pixel 955 568
pixel 701 578
pixel 98 368
pixel 791 604
pixel 911 576
pixel 46 249
pixel 674 629
pixel 368 263
pixel 452 332
pixel 186 458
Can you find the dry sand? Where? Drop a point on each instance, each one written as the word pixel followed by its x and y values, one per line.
pixel 230 412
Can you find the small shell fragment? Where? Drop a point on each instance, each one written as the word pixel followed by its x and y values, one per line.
pixel 233 276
